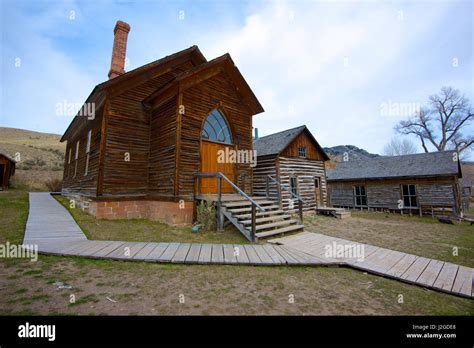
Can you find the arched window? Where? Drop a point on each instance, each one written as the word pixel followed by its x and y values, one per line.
pixel 215 128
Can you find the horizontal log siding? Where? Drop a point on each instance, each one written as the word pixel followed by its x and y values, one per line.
pixel 305 170
pixel 83 184
pixel 266 165
pixel 162 150
pixel 198 101
pixel 436 192
pixel 129 131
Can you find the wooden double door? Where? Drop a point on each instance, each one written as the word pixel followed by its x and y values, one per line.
pixel 213 161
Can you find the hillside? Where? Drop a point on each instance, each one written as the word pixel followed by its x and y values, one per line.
pixel 337 152
pixel 36 150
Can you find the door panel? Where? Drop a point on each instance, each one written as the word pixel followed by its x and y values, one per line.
pixel 317 191
pixel 209 164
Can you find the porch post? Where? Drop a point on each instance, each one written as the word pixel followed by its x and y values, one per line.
pixel 220 215
pixel 254 223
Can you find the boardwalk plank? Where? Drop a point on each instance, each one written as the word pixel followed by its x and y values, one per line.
pixel 217 254
pixel 143 253
pixel 429 275
pixel 169 252
pixel 252 255
pixel 401 266
pixel 415 270
pixel 206 254
pixel 229 254
pixel 276 257
pixel 181 253
pixel 463 283
pixel 193 254
pixel 156 253
pixel 241 254
pixel 446 277
pixel 290 260
pixel 107 250
pixel 263 255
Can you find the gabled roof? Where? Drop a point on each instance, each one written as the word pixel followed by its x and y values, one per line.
pixel 275 143
pixel 98 93
pixel 417 165
pixel 223 63
pixel 7 157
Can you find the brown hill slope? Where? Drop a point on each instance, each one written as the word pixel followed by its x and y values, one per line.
pixel 35 150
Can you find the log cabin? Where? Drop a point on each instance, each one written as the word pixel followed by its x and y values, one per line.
pixel 7 170
pixel 291 165
pixel 152 130
pixel 426 183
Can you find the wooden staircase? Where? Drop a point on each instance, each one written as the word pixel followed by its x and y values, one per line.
pixel 268 223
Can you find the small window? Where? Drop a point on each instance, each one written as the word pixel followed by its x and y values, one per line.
pixel 302 151
pixel 294 186
pixel 409 196
pixel 316 183
pixel 88 150
pixel 70 154
pixel 360 195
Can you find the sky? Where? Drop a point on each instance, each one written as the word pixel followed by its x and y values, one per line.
pixel 343 68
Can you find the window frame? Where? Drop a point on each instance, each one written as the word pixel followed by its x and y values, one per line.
pixel 88 150
pixel 294 187
pixel 410 196
pixel 76 157
pixel 208 129
pixel 359 197
pixel 302 151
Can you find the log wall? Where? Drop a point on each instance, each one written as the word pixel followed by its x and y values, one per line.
pixel 437 192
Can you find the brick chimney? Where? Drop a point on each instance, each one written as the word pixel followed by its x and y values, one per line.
pixel 118 51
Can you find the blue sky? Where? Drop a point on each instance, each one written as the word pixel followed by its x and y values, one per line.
pixel 329 65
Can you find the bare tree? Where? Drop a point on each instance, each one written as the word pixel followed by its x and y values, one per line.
pixel 399 147
pixel 442 122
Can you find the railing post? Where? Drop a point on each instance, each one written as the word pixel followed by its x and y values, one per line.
pixel 300 210
pixel 267 188
pixel 220 220
pixel 254 223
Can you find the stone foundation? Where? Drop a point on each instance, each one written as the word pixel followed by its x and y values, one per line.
pixel 174 213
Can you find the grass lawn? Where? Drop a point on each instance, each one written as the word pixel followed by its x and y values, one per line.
pixel 144 230
pixel 421 236
pixel 143 288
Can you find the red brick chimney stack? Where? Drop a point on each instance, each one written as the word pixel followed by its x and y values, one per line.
pixel 120 47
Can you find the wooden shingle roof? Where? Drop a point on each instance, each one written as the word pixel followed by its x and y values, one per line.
pixel 418 165
pixel 275 143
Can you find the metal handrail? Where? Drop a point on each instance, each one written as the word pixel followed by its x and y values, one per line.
pixel 242 193
pixel 300 201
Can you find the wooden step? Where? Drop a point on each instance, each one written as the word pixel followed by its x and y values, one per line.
pixel 260 213
pixel 265 219
pixel 246 210
pixel 275 224
pixel 291 228
pixel 232 204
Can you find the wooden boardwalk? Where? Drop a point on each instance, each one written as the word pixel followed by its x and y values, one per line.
pixel 437 275
pixel 54 231
pixel 52 228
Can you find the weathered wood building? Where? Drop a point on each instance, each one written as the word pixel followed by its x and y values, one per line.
pixel 291 164
pixel 153 129
pixel 416 184
pixel 7 170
